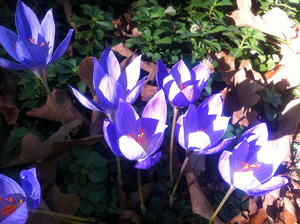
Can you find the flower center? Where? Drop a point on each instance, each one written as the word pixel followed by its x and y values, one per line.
pixel 181 87
pixel 247 166
pixel 141 136
pixel 7 210
pixel 32 41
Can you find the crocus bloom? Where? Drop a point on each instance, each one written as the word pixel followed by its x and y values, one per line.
pixel 16 201
pixel 34 45
pixel 182 86
pixel 200 130
pixel 251 164
pixel 138 138
pixel 111 85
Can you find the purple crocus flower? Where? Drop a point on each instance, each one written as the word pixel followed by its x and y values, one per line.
pixel 111 85
pixel 16 201
pixel 251 164
pixel 181 86
pixel 34 45
pixel 200 130
pixel 138 138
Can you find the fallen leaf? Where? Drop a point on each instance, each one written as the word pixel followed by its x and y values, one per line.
pixel 65 104
pixel 275 22
pixel 122 50
pixel 127 215
pixel 62 203
pixel 34 149
pixel 47 169
pixel 85 71
pixel 8 105
pixel 68 12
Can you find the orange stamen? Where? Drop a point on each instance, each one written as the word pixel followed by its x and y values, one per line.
pixel 9 209
pixel 181 87
pixel 42 44
pixel 141 136
pixel 32 40
pixel 247 167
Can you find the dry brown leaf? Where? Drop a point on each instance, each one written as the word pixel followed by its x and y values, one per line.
pixel 259 217
pixel 127 215
pixel 62 203
pixel 97 118
pixel 286 74
pixel 46 169
pixel 86 70
pixel 289 212
pixel 68 12
pixel 8 99
pixel 275 22
pixel 122 50
pixel 65 104
pixel 226 65
pixel 200 205
pixel 34 149
pixel 241 218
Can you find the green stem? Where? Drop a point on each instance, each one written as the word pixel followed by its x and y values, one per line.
pixel 230 190
pixel 176 109
pixel 143 209
pixel 119 171
pixel 64 216
pixel 184 165
pixel 44 81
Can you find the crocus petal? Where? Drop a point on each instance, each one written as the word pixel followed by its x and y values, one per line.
pixel 109 63
pixel 47 30
pixel 180 100
pixel 213 105
pixel 8 40
pixel 148 162
pixel 98 74
pixel 271 185
pixel 198 141
pixel 239 154
pixel 131 74
pixel 224 166
pixel 245 180
pixel 31 187
pixel 85 101
pixel 179 132
pixel 216 129
pixel 27 23
pixel 162 73
pixel 189 123
pixel 10 187
pixel 180 72
pixel 156 107
pixel 191 93
pixel 258 132
pixel 127 120
pixel 11 65
pixel 202 74
pixel 19 216
pixel 111 137
pixel 61 49
pixel 131 149
pixel 220 146
pixel 133 94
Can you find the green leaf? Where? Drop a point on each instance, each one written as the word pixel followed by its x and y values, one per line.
pixel 74 188
pixel 80 21
pixel 202 4
pixel 63 78
pixel 165 40
pixel 157 12
pixel 74 168
pixel 271 114
pixel 218 29
pixel 81 86
pixel 87 34
pixel 99 34
pixel 215 46
pixel 236 52
pixel 224 3
pixel 85 49
pixel 86 206
pixel 99 161
pixel 95 176
pixel 106 24
pixel 69 178
pixel 144 10
pixel 80 179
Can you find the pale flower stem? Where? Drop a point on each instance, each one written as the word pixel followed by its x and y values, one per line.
pixel 176 109
pixel 184 165
pixel 230 190
pixel 119 171
pixel 65 216
pixel 143 209
pixel 44 81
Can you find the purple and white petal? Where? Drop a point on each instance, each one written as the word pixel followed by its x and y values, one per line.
pixel 19 216
pixel 198 141
pixel 8 40
pixel 11 65
pixel 271 185
pixel 216 129
pixel 180 73
pixel 131 149
pixel 225 167
pixel 111 138
pixel 219 146
pixel 148 162
pixel 162 73
pixel 131 74
pixel 191 93
pixel 61 49
pixel 133 94
pixel 47 30
pixel 109 63
pixel 31 187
